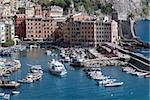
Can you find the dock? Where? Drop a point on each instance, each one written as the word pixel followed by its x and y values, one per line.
pixel 138 60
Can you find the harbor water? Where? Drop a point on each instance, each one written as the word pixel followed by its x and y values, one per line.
pixel 142 29
pixel 75 85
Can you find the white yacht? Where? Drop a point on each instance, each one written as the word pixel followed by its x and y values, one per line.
pixel 15 92
pixel 113 84
pixel 57 67
pixel 107 81
pixel 48 52
pixel 36 69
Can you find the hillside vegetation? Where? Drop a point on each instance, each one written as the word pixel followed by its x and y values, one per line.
pixel 137 7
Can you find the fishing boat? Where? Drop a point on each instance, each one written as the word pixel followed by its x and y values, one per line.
pixel 6 97
pixel 113 84
pixel 15 92
pixel 57 68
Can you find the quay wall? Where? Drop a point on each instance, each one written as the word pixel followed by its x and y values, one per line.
pixel 138 61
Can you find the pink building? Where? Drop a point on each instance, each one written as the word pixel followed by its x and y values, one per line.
pixel 39 28
pixel 90 33
pixel 81 17
pixel 37 11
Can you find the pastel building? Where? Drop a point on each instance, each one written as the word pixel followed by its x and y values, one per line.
pixel 10 28
pixel 2 32
pixel 81 17
pixel 90 33
pixel 56 11
pixel 39 28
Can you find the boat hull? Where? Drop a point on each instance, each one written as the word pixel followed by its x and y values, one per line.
pixel 59 73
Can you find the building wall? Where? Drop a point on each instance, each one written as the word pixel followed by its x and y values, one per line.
pixel 114 32
pixel 75 33
pixel 103 32
pixel 8 31
pixel 2 32
pixel 56 11
pixel 87 33
pixel 81 17
pixel 38 28
pixel 66 32
pixel 20 27
pixel 29 12
pixel 37 11
pixel 90 33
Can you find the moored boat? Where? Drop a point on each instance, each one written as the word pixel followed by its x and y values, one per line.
pixel 48 52
pixel 15 92
pixel 141 73
pixel 9 84
pixel 147 75
pixel 2 94
pixel 107 81
pixel 113 84
pixel 6 97
pixel 36 69
pixel 57 68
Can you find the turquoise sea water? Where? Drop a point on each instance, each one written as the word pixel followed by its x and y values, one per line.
pixel 75 85
pixel 142 29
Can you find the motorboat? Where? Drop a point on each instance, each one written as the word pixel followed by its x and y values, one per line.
pixel 107 81
pixel 27 79
pixel 127 69
pixel 92 73
pixel 31 77
pixel 36 69
pixel 48 52
pixel 67 59
pixel 2 94
pixel 57 68
pixel 9 84
pixel 6 97
pixel 113 84
pixel 141 73
pixel 147 75
pixel 15 92
pixel 101 77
